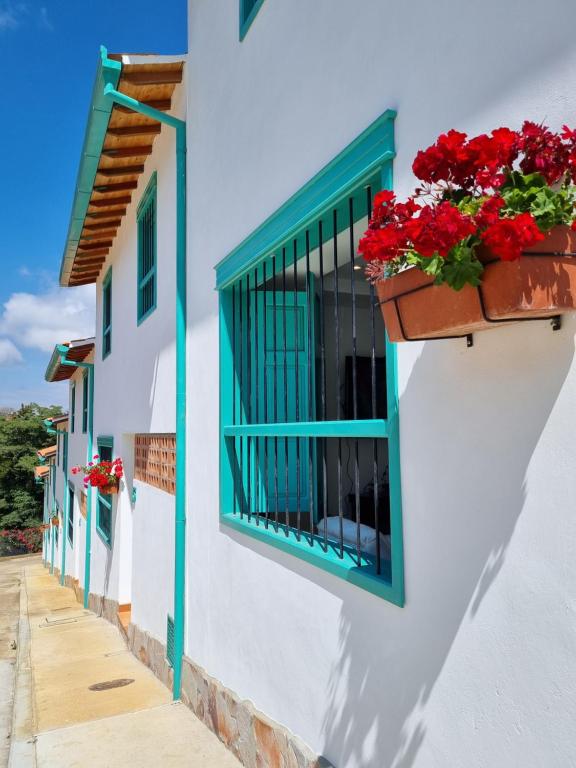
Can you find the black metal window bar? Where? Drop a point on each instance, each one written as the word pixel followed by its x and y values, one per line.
pixel 308 345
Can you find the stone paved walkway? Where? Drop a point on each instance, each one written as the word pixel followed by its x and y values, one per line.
pixel 60 721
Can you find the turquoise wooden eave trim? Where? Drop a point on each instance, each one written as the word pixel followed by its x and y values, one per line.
pixel 361 428
pixel 246 19
pixel 108 72
pixel 355 165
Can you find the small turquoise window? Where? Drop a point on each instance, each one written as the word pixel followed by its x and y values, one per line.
pixel 71 515
pixel 104 500
pixel 146 219
pixel 248 11
pixel 107 314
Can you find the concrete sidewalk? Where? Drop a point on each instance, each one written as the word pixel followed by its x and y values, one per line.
pixel 62 721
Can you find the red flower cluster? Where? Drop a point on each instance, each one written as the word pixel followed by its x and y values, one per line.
pixel 507 238
pixel 467 163
pixel 545 152
pixel 102 473
pixel 28 539
pixel 395 228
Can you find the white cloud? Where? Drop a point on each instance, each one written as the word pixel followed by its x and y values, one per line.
pixel 11 14
pixel 43 20
pixel 9 353
pixel 40 321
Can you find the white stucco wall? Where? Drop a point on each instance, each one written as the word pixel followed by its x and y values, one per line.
pixel 477 670
pixel 135 393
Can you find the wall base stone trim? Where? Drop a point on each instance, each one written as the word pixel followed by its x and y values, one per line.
pixel 256 740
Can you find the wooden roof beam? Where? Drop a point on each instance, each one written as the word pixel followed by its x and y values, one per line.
pixel 86 280
pixel 93 246
pixel 103 224
pixel 120 187
pixel 91 254
pixel 135 130
pixel 121 170
pixel 114 152
pixel 162 105
pixel 96 235
pixel 105 215
pixel 162 77
pixel 124 200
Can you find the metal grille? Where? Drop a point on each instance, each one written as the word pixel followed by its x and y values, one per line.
pixel 170 640
pixel 306 442
pixel 155 461
pixel 147 256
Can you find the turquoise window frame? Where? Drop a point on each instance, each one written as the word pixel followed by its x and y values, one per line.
pixel 149 198
pixel 248 12
pixel 366 161
pixel 107 311
pixel 72 407
pixel 85 386
pixel 104 500
pixel 71 498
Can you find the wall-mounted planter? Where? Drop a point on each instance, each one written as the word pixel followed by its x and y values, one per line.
pixel 54 520
pixel 109 489
pixel 541 284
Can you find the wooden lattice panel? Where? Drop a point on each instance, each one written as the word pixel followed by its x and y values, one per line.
pixel 155 461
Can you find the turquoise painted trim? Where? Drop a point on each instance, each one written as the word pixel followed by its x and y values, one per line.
pixel 361 428
pixel 104 441
pixel 72 407
pixel 65 511
pixel 370 154
pixel 85 402
pixel 247 15
pixel 180 498
pixel 149 199
pixel 70 520
pixel 352 168
pixel 287 541
pixel 108 73
pixel 107 310
pixel 394 463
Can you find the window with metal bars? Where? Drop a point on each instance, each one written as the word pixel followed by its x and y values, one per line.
pixel 85 386
pixel 310 459
pixel 107 314
pixel 248 11
pixel 104 500
pixel 146 220
pixel 71 515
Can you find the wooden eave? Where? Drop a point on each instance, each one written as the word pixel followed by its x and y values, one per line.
pixel 77 352
pixel 121 155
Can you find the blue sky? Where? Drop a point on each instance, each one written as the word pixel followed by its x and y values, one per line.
pixel 48 58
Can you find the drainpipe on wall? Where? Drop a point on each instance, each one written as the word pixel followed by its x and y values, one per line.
pixel 63 351
pixel 51 431
pixel 109 68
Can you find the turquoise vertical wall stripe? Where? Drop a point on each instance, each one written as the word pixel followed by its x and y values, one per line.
pixel 180 501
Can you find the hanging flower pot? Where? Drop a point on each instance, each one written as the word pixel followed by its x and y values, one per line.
pixel 101 474
pixel 540 284
pixel 54 520
pixel 487 238
pixel 112 488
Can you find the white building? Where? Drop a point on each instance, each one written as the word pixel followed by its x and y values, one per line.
pixel 446 639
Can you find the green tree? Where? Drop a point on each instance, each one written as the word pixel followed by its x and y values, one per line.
pixel 22 433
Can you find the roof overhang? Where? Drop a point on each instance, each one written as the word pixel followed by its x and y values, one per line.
pixel 57 420
pixel 46 453
pixel 41 472
pixel 116 145
pixel 71 351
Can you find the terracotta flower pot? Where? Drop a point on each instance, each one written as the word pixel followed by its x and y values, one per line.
pixel 109 489
pixel 55 520
pixel 541 284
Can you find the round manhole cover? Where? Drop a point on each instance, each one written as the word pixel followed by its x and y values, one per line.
pixel 108 684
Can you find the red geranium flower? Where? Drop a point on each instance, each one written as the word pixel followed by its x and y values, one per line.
pixel 507 238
